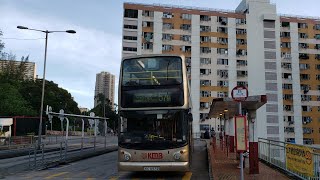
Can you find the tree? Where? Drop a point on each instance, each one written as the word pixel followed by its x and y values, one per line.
pixel 109 113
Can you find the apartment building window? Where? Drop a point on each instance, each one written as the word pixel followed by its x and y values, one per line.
pixel 166 47
pixel 305 97
pixel 205 28
pixel 303 35
pixel 285 45
pixel 317 36
pixel 317 46
pixel 204 116
pixel 147 36
pixel 204 105
pixel 316 27
pixel 205 39
pixel 131 13
pixel 306 119
pixel 240 21
pixel 285 55
pixel 222 61
pixel 317 56
pixel 241 31
pixel 287 76
pixel 289 129
pixel 307 130
pixel 130 37
pixel 205 50
pixel 147 24
pixel 222 73
pixel 147 46
pixel 188 61
pixel 318 87
pixel 147 13
pixel 205 72
pixel 223 83
pixel 290 119
pixel 222 51
pixel 222 29
pixel 303 45
pixel 303 56
pixel 286 86
pixel 288 108
pixel 308 141
pixel 205 61
pixel 317 66
pixel 304 66
pixel 285 24
pixel 186 16
pixel 185 48
pixel 318 107
pixel 241 41
pixel 290 140
pixel 306 108
pixel 130 26
pixel 242 74
pixel 242 63
pixel 285 34
pixel 241 52
pixel 205 93
pixel 205 82
pixel 302 25
pixel 205 18
pixel 286 66
pixel 167 26
pixel 242 83
pixel 223 20
pixel 222 40
pixel 222 94
pixel 288 97
pixel 318 77
pixel 185 27
pixel 186 38
pixel 305 87
pixel 167 15
pixel 129 49
pixel 167 37
pixel 304 76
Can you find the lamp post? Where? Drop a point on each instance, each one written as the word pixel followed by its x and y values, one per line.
pixel 44 72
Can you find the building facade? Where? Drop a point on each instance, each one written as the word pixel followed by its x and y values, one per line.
pixel 252 46
pixel 30 67
pixel 105 83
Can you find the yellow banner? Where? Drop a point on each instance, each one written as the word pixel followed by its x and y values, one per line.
pixel 299 159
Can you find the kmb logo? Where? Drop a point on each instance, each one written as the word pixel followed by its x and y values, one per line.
pixel 152 155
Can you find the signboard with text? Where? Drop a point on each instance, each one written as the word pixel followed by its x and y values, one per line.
pixel 239 93
pixel 241 133
pixel 299 159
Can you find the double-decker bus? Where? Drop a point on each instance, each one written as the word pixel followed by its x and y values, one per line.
pixel 155 120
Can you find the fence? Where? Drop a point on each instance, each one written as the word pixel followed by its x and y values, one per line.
pixel 275 153
pixel 47 154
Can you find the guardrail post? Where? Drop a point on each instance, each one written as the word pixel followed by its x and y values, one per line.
pixel 60 150
pixel 269 150
pixel 94 143
pixel 9 142
pixel 81 143
pixel 35 155
pixel 42 149
pixel 66 149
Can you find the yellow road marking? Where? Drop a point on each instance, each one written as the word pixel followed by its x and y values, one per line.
pixel 113 178
pixel 56 175
pixel 187 176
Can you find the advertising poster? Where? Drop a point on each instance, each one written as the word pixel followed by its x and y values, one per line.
pixel 299 159
pixel 241 133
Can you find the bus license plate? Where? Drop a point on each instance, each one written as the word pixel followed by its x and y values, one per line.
pixel 151 168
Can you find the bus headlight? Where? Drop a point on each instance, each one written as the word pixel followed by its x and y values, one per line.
pixel 177 155
pixel 126 156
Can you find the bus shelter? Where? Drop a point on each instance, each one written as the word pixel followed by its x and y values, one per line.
pixel 227 109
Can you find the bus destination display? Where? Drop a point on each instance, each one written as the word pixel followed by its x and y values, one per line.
pixel 155 97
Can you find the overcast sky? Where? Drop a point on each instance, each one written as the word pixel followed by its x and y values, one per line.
pixel 74 59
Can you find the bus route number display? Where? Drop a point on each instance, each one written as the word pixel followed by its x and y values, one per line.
pixel 156 97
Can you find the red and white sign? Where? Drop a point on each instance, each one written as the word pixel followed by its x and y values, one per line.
pixel 239 93
pixel 241 133
pixel 152 155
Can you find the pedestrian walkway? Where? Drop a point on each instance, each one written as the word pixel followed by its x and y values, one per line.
pixel 224 166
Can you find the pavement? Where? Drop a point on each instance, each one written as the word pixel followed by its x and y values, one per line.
pixel 224 166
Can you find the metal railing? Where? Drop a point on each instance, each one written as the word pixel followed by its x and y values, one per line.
pixel 274 153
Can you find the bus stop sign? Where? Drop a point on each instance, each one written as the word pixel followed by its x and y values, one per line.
pixel 239 93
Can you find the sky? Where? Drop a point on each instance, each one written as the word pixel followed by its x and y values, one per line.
pixel 73 60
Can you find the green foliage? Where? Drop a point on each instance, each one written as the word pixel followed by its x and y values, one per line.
pixel 109 113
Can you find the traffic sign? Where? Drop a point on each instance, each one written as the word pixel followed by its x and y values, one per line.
pixel 239 93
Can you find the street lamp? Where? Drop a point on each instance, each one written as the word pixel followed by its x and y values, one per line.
pixel 44 72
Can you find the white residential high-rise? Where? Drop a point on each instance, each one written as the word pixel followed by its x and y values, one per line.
pixel 30 71
pixel 105 83
pixel 252 46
